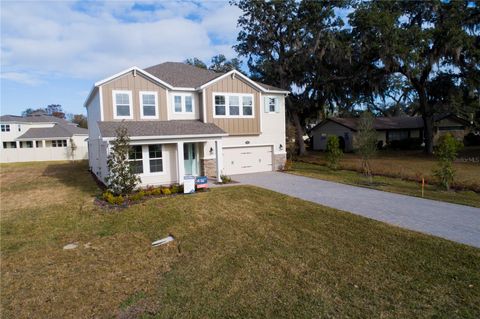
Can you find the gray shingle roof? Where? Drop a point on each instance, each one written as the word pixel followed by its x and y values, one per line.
pixel 57 131
pixel 161 128
pixel 184 75
pixel 34 119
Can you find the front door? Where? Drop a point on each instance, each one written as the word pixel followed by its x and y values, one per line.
pixel 190 159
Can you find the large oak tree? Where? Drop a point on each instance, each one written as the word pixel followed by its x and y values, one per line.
pixel 430 43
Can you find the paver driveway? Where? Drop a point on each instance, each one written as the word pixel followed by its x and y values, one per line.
pixel 455 222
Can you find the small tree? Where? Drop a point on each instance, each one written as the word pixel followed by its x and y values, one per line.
pixel 334 153
pixel 121 179
pixel 367 142
pixel 446 152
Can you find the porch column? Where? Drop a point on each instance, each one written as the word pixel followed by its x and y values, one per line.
pixel 180 163
pixel 219 159
pixel 44 144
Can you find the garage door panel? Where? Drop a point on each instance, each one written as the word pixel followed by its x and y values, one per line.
pixel 244 160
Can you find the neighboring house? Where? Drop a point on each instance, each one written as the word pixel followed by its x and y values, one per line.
pixel 183 120
pixel 389 129
pixel 40 137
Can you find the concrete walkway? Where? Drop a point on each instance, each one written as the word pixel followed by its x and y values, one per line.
pixel 455 222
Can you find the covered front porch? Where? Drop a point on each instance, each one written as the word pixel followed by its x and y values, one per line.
pixel 162 162
pixel 164 152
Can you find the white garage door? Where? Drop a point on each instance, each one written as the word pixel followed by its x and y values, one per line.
pixel 241 160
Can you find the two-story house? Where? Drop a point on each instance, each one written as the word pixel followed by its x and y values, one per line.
pixel 40 137
pixel 183 120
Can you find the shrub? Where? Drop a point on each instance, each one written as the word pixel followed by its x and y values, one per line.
pixel 112 199
pixel 166 191
pixel 334 153
pixel 176 189
pixel 156 191
pixel 446 151
pixel 225 179
pixel 137 196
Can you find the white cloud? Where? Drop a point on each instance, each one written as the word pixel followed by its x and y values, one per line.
pixel 93 40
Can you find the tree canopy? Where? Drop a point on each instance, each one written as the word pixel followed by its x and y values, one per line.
pixel 391 57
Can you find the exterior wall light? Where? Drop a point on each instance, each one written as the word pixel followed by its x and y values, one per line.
pixel 280 147
pixel 211 150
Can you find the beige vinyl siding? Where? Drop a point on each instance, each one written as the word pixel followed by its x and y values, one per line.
pixel 234 126
pixel 135 84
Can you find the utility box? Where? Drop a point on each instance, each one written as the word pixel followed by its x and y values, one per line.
pixel 188 184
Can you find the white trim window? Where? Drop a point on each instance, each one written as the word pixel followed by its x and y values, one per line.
pixel 155 158
pixel 183 103
pixel 5 127
pixel 59 143
pixel 135 157
pixel 233 105
pixel 122 104
pixel 272 104
pixel 149 104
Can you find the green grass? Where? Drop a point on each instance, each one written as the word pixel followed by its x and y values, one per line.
pixel 240 252
pixel 388 184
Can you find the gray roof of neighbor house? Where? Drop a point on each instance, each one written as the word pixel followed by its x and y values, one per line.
pixel 161 128
pixel 56 131
pixel 38 118
pixel 61 128
pixel 389 123
pixel 179 74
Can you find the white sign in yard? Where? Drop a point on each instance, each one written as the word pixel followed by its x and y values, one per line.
pixel 189 184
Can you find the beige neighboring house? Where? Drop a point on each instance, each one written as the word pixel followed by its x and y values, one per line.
pixel 40 137
pixel 184 120
pixel 389 130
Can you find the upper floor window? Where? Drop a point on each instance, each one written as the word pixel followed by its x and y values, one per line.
pixel 122 104
pixel 272 104
pixel 183 103
pixel 149 104
pixel 5 127
pixel 233 105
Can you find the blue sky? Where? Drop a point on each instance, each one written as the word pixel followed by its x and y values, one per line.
pixel 52 52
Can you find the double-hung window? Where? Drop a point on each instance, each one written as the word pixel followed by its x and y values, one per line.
pixel 149 104
pixel 183 103
pixel 155 158
pixel 233 105
pixel 122 104
pixel 135 157
pixel 5 127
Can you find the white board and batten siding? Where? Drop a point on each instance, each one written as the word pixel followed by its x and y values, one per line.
pixel 243 160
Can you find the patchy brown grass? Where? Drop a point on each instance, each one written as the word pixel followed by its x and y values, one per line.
pixel 239 252
pixel 410 166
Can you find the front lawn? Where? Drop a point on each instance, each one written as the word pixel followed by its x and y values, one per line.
pixel 239 252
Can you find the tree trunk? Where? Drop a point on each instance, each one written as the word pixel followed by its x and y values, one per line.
pixel 298 133
pixel 428 133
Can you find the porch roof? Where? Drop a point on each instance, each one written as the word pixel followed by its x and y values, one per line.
pixel 172 128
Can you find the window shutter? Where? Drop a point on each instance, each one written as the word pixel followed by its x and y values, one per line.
pixel 277 105
pixel 265 104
